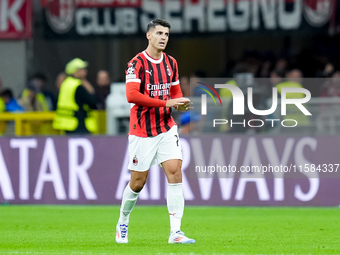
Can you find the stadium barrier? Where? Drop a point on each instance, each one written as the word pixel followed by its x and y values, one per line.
pixel 39 123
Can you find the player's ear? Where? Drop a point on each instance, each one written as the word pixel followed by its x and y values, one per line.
pixel 148 34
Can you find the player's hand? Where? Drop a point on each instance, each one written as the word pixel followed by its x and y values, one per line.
pixel 185 107
pixel 177 102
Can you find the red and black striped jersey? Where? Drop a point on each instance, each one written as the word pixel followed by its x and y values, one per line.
pixel 155 77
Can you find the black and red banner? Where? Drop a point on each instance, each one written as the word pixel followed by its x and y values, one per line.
pixel 80 18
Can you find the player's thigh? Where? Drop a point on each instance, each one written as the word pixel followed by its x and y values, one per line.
pixel 169 146
pixel 142 152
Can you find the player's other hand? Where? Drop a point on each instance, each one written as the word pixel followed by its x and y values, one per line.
pixel 182 104
pixel 185 107
pixel 177 101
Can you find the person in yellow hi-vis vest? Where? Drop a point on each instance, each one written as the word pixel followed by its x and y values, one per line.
pixel 293 80
pixel 32 100
pixel 75 101
pixel 2 109
pixel 2 102
pixel 2 105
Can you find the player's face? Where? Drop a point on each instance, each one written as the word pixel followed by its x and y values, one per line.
pixel 158 37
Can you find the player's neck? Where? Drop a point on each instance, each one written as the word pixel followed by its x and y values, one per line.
pixel 154 53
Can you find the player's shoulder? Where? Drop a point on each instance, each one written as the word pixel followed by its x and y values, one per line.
pixel 170 58
pixel 136 59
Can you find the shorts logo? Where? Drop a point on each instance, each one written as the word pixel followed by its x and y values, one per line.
pixel 135 161
pixel 177 140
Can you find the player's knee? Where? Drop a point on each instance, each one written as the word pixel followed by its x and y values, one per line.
pixel 175 176
pixel 137 185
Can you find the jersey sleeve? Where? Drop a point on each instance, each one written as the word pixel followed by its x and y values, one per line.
pixel 134 96
pixel 134 76
pixel 175 78
pixel 134 71
pixel 176 92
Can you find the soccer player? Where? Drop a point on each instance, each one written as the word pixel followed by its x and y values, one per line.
pixel 152 87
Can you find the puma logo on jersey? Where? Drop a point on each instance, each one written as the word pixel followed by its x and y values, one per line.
pixel 149 72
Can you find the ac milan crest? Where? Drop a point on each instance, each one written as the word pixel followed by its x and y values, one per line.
pixel 131 69
pixel 317 12
pixel 60 15
pixel 135 161
pixel 168 71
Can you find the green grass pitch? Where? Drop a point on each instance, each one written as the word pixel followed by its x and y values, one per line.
pixel 217 230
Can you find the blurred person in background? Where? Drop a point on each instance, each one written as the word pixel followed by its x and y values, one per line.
pixel 26 95
pixel 188 122
pixel 240 68
pixel 293 80
pixel 31 100
pixel 2 109
pixel 184 81
pixel 2 103
pixel 267 65
pixel 331 88
pixel 328 71
pixel 75 101
pixel 60 79
pixel 102 88
pixel 195 78
pixel 11 105
pixel 252 61
pixel 281 65
pixel 276 77
pixel 50 99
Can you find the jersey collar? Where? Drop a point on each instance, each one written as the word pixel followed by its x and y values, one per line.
pixel 152 60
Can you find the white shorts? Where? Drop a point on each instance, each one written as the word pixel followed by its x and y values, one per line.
pixel 144 151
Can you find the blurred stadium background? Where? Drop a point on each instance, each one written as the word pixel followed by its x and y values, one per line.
pixel 273 41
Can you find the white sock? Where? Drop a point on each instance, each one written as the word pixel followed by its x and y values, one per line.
pixel 175 203
pixel 128 202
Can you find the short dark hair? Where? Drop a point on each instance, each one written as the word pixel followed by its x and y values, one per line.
pixel 158 22
pixel 40 76
pixel 7 93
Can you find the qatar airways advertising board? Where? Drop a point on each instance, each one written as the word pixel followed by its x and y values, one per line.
pixel 227 170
